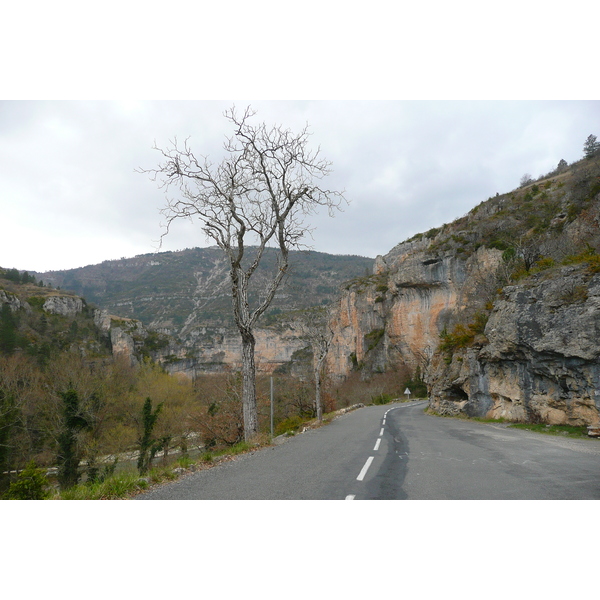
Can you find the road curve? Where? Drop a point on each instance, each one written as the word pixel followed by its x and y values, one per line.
pixel 398 452
pixel 434 458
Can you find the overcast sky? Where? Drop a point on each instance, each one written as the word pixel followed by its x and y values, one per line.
pixel 71 195
pixel 72 132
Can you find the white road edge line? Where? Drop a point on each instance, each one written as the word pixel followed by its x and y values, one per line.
pixel 377 445
pixel 350 497
pixel 362 474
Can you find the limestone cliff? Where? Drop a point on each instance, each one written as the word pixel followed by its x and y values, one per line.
pixel 395 316
pixel 538 359
pixel 499 310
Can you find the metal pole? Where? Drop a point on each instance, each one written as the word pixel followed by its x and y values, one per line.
pixel 271 407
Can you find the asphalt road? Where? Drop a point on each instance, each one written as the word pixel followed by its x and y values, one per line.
pixel 396 451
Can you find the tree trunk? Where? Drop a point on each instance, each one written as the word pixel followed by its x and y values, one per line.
pixel 318 393
pixel 249 387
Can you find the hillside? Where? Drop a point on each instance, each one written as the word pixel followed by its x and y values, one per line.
pixel 186 295
pixel 42 321
pixel 172 291
pixel 498 311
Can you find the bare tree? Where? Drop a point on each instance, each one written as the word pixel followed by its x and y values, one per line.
pixel 319 333
pixel 525 180
pixel 258 196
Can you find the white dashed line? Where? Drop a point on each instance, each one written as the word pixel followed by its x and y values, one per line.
pixel 364 470
pixel 350 497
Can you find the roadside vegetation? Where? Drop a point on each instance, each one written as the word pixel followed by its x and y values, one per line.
pixel 78 422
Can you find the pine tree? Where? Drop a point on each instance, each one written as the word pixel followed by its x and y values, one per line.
pixel 591 146
pixel 68 455
pixel 8 330
pixel 147 443
pixel 8 417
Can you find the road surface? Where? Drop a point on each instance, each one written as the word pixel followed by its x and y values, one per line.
pixel 396 451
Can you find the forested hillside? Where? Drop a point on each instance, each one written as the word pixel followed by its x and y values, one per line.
pixel 180 291
pixel 77 406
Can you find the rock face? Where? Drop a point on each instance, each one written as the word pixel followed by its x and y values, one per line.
pixel 222 350
pixel 67 306
pixel 541 361
pixel 499 310
pixel 395 317
pixel 13 302
pixel 127 336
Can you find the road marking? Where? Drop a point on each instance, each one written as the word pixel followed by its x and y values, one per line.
pixel 377 445
pixel 350 497
pixel 381 432
pixel 383 422
pixel 362 474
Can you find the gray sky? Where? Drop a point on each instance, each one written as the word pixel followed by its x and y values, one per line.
pixel 70 195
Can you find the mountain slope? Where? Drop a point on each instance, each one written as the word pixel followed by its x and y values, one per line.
pixel 187 295
pixel 499 309
pixel 166 289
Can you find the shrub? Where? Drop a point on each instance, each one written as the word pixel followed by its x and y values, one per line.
pixel 499 244
pixel 432 232
pixel 588 256
pixel 185 462
pixel 31 484
pixel 373 338
pixel 382 399
pixel 543 264
pixel 289 425
pixel 463 335
pixel 117 486
pixel 575 294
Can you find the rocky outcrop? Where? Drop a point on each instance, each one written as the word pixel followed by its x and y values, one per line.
pixel 395 317
pixel 539 359
pixel 499 310
pixel 186 295
pixel 13 301
pixel 213 350
pixel 67 306
pixel 127 336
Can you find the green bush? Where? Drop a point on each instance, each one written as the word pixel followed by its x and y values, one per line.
pixel 185 462
pixel 382 399
pixel 543 264
pixel 499 244
pixel 289 425
pixel 461 335
pixel 31 484
pixel 588 256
